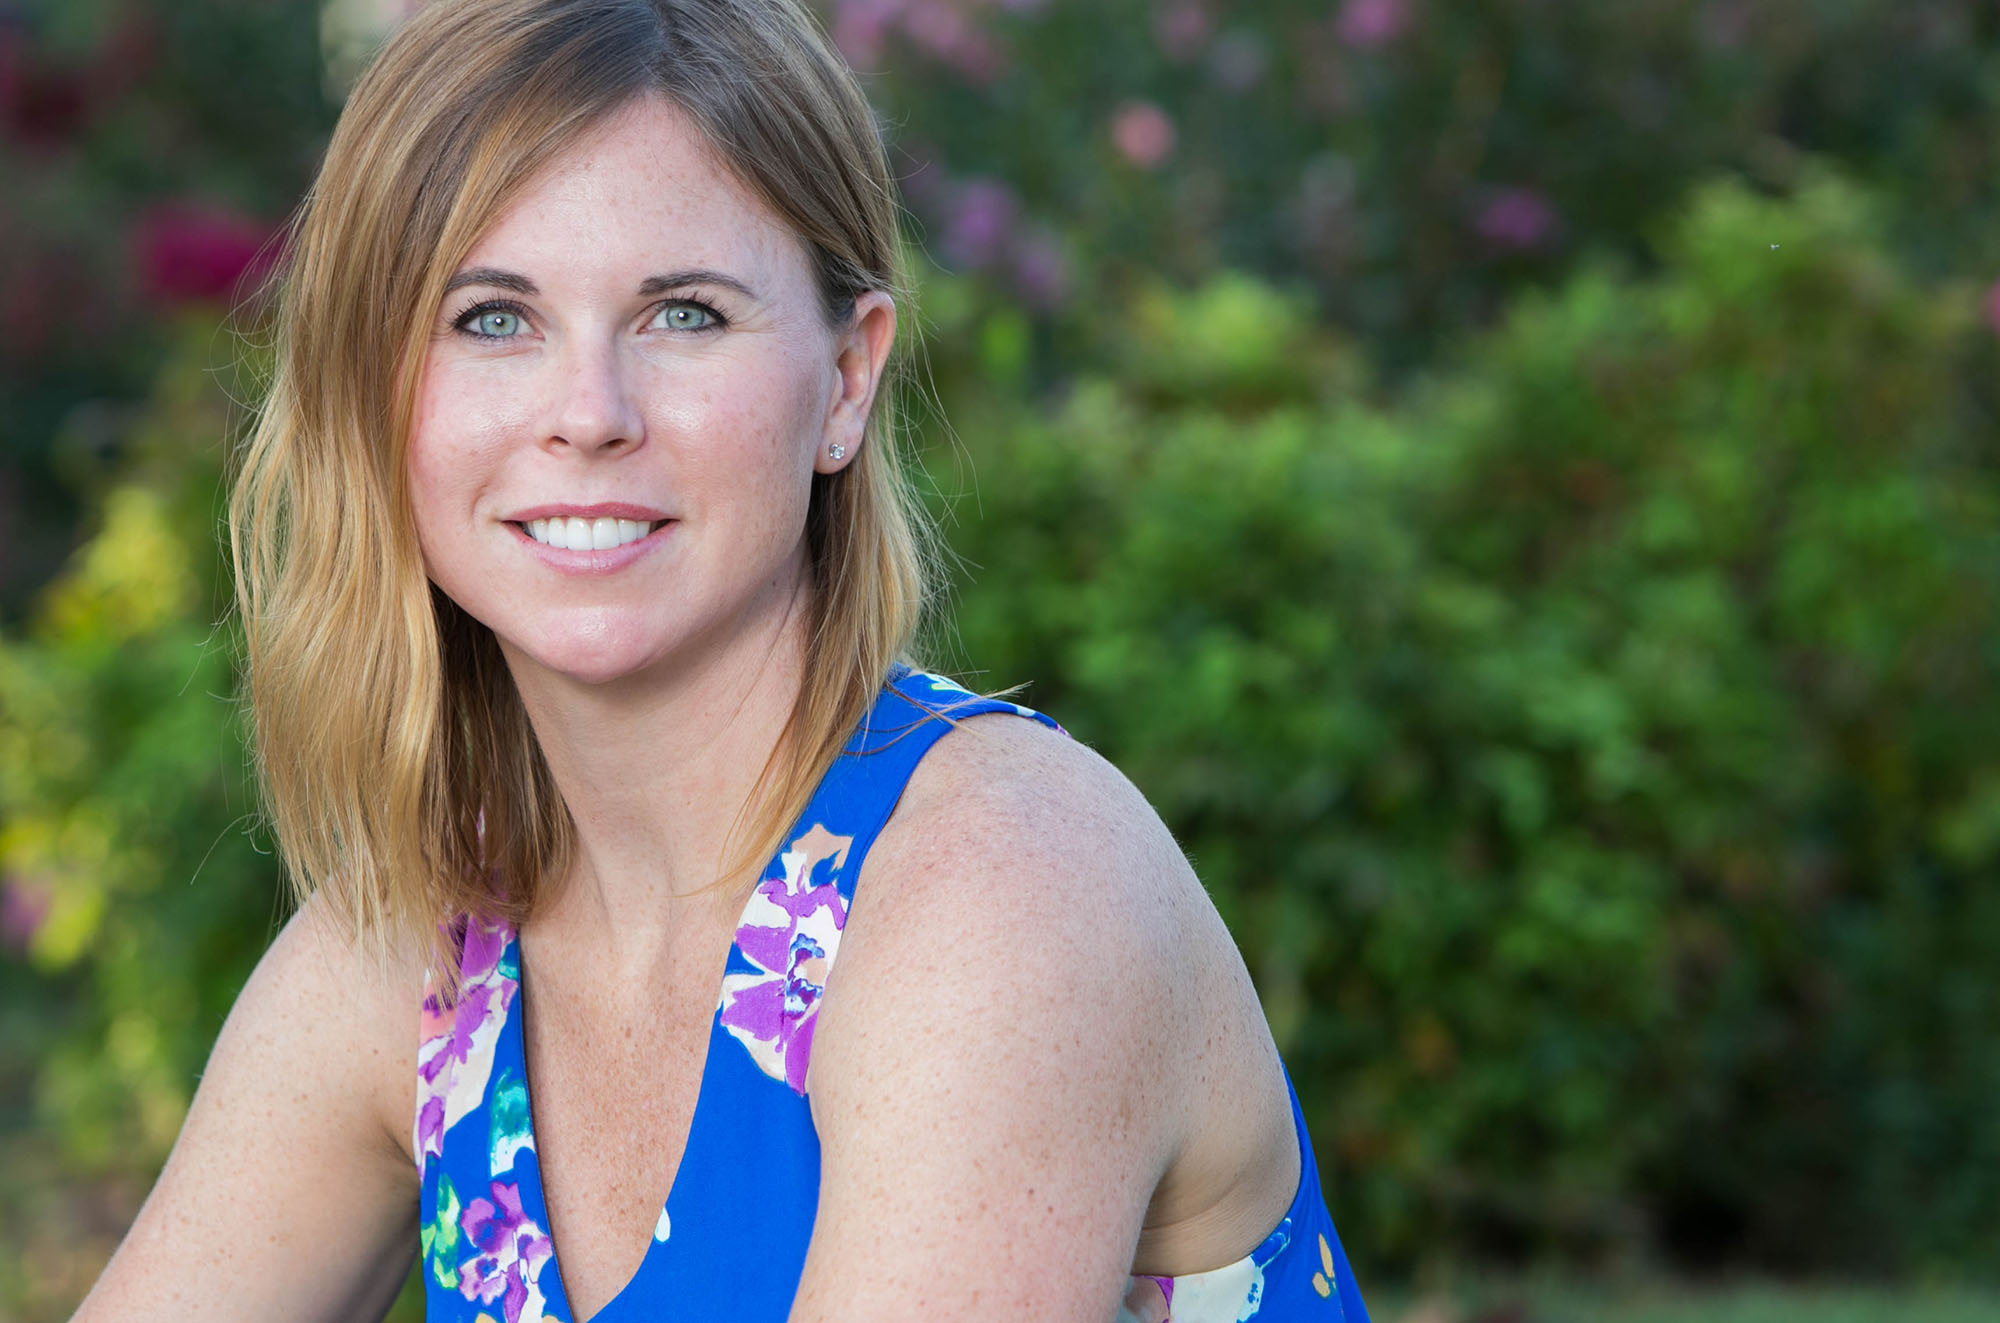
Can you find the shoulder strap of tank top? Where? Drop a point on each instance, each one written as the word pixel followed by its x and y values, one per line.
pixel 913 712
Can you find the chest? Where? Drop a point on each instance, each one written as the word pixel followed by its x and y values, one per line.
pixel 615 1084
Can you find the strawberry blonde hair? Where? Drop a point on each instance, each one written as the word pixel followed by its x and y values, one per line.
pixel 400 774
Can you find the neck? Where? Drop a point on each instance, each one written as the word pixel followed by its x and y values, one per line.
pixel 657 771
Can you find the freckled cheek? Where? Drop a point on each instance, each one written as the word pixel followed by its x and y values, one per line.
pixel 458 439
pixel 737 423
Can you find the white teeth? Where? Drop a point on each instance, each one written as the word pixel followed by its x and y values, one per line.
pixel 587 534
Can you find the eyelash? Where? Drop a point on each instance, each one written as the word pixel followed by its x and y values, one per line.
pixel 463 323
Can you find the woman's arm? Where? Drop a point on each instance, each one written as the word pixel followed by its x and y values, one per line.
pixel 999 1076
pixel 290 1193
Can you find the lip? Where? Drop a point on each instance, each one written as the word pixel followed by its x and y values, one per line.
pixel 591 562
pixel 645 514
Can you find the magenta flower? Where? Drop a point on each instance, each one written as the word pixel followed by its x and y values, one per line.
pixel 1517 218
pixel 1143 133
pixel 1369 24
pixel 1181 28
pixel 946 33
pixel 194 253
pixel 456 1043
pixel 24 905
pixel 790 932
pixel 981 222
pixel 861 26
pixel 1041 271
pixel 512 1251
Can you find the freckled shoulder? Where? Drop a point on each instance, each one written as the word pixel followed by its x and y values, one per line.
pixel 1049 879
pixel 1010 799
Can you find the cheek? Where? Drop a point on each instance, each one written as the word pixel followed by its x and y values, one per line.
pixel 459 429
pixel 754 430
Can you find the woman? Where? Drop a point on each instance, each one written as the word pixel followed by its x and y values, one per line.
pixel 575 564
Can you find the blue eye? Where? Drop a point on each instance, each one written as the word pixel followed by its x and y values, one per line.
pixel 491 321
pixel 685 316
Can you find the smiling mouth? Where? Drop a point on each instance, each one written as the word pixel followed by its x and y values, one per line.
pixel 588 534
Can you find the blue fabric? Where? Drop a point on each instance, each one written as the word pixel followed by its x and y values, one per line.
pixel 732 1238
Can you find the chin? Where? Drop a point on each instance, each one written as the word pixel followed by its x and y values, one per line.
pixel 587 655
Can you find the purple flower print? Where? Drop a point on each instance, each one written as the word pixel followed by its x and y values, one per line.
pixel 511 1253
pixel 790 932
pixel 456 1052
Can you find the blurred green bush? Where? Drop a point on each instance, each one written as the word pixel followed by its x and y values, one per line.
pixel 1595 757
pixel 133 896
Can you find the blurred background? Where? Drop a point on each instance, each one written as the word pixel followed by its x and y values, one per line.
pixel 1517 483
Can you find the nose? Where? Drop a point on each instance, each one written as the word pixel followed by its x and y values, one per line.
pixel 592 406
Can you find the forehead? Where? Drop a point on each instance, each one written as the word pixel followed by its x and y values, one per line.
pixel 643 191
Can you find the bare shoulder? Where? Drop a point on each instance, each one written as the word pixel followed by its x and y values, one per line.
pixel 1005 796
pixel 1036 1047
pixel 368 995
pixel 293 1151
pixel 1053 884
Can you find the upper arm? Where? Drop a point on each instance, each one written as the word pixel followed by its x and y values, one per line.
pixel 288 1193
pixel 992 1072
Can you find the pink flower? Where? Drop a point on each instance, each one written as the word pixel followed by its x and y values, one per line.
pixel 1142 133
pixel 861 26
pixel 193 253
pixel 1993 307
pixel 981 221
pixel 1238 61
pixel 1368 24
pixel 1041 271
pixel 955 40
pixel 1517 218
pixel 1181 28
pixel 24 904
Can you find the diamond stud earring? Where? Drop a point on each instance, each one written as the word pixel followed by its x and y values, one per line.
pixel 837 450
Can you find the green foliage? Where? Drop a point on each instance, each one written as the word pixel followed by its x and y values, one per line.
pixel 131 887
pixel 1416 163
pixel 1592 756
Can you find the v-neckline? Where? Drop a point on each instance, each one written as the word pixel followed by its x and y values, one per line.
pixel 555 1291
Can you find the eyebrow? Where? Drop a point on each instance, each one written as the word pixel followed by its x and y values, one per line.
pixel 651 285
pixel 486 275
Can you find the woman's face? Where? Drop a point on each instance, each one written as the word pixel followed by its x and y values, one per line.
pixel 627 392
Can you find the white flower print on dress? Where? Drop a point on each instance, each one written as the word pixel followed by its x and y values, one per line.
pixel 790 931
pixel 455 1055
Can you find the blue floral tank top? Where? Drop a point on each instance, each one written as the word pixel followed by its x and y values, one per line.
pixel 732 1235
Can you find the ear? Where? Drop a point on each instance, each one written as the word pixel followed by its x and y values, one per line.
pixel 860 353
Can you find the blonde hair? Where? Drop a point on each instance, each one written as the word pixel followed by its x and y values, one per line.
pixel 400 773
